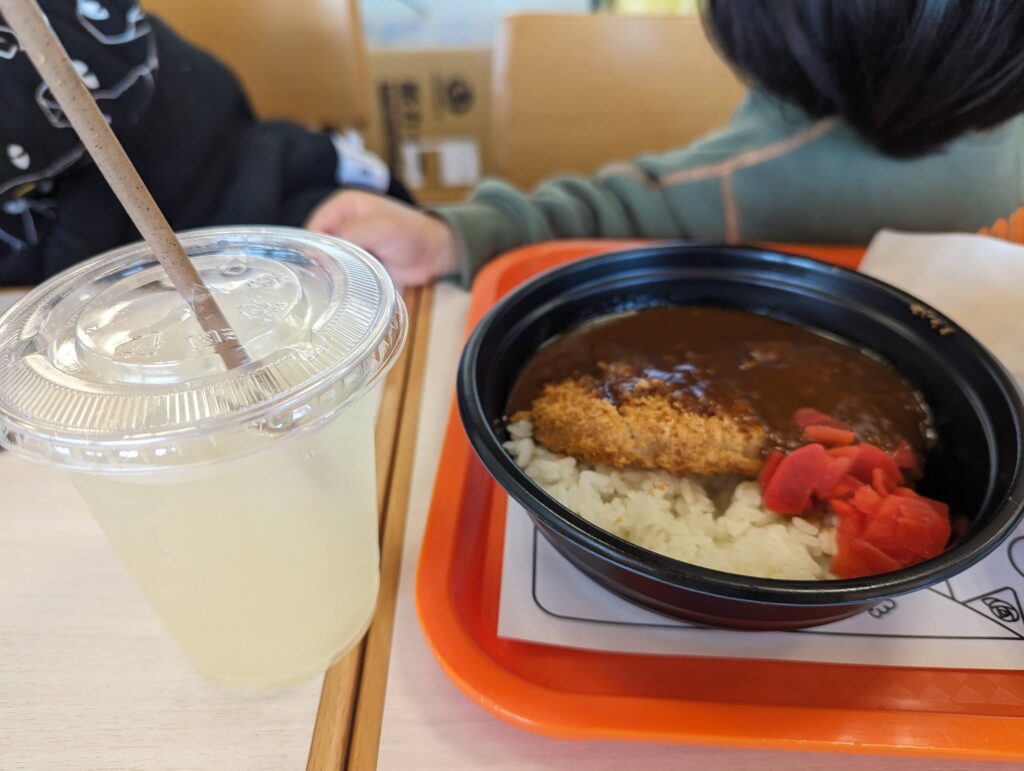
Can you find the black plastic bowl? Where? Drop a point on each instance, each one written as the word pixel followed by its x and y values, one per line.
pixel 975 466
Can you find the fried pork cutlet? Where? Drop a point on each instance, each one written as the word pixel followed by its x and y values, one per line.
pixel 646 428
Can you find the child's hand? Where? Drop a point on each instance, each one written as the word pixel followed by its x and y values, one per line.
pixel 414 247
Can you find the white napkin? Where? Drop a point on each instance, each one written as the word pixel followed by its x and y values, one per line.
pixel 976 281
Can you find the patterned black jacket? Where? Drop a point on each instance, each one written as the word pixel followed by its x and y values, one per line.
pixel 183 119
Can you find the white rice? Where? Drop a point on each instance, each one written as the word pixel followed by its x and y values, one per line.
pixel 714 522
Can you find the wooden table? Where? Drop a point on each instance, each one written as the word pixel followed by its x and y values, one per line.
pixel 89 680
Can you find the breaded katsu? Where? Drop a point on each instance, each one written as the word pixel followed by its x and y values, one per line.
pixel 645 427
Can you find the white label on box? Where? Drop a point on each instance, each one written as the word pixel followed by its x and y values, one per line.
pixel 460 162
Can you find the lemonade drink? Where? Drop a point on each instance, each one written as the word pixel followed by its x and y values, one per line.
pixel 242 502
pixel 265 572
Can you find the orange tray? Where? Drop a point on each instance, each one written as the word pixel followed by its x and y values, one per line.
pixel 577 694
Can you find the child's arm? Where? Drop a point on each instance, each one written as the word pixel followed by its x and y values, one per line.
pixel 621 202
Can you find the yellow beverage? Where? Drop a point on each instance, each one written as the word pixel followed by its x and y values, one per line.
pixel 242 499
pixel 264 572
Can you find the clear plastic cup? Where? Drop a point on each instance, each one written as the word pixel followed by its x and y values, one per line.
pixel 242 501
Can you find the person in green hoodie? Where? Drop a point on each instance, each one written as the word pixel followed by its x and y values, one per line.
pixel 861 115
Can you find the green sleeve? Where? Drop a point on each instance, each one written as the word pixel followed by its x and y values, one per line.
pixel 622 202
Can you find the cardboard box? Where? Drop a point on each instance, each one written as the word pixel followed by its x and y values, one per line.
pixel 430 118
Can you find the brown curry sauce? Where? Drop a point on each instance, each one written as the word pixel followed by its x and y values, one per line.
pixel 749 366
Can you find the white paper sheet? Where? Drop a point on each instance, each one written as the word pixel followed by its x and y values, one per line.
pixel 973 621
pixel 974 280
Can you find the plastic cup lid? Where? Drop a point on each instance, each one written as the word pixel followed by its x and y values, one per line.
pixel 105 368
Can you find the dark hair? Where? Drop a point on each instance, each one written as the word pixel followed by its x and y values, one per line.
pixel 909 75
